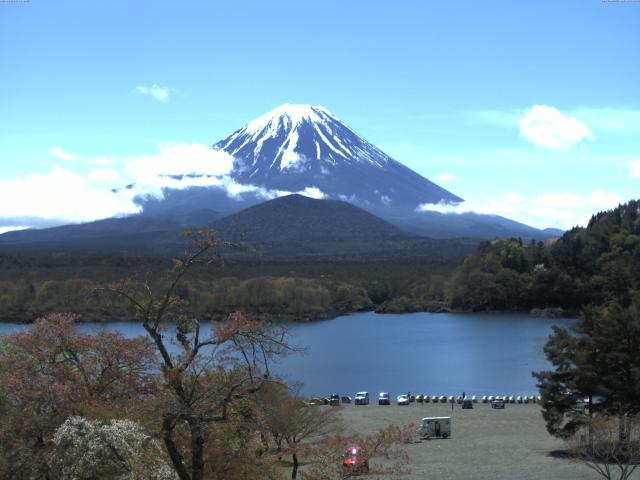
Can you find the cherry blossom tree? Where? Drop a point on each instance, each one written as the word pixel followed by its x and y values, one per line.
pixel 116 449
pixel 53 371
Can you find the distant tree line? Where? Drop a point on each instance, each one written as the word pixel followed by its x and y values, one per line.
pixel 586 266
pixel 34 286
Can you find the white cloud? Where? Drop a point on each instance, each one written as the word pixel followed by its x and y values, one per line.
pixel 178 159
pixel 312 192
pixel 5 229
pixel 622 121
pixel 156 91
pixel 445 177
pixel 103 175
pixel 61 195
pixel 547 127
pixel 635 168
pixel 63 154
pixel 558 209
pixel 181 166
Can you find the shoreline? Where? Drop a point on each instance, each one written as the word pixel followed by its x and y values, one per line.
pixel 545 313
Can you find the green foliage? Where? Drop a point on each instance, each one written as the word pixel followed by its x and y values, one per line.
pixel 598 358
pixel 498 276
pixel 34 286
pixel 587 266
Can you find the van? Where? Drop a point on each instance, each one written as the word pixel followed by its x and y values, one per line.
pixel 362 398
pixel 435 427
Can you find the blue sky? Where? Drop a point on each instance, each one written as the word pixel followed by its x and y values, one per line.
pixel 526 109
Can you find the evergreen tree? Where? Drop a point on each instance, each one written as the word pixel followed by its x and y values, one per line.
pixel 599 359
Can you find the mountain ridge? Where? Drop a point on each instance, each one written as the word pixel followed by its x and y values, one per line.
pixel 296 146
pixel 299 218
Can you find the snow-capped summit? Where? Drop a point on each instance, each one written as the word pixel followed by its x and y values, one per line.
pixel 291 135
pixel 291 113
pixel 295 147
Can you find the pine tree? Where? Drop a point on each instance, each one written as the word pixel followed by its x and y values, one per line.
pixel 599 359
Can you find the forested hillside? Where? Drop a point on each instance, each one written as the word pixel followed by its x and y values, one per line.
pixel 586 266
pixel 34 286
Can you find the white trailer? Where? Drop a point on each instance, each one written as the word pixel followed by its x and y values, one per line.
pixel 435 427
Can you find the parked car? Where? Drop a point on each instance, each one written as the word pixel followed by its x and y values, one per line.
pixel 383 399
pixel 361 398
pixel 354 461
pixel 334 400
pixel 402 400
pixel 497 403
pixel 467 403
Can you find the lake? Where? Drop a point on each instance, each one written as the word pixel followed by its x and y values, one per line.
pixel 432 353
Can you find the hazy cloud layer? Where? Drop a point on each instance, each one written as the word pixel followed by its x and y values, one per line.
pixel 64 196
pixel 59 194
pixel 552 209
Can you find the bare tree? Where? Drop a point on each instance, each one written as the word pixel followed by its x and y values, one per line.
pixel 289 420
pixel 203 371
pixel 601 447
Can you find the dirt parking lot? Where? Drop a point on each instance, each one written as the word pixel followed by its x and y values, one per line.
pixel 485 443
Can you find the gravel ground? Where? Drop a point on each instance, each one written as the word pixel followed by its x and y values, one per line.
pixel 485 443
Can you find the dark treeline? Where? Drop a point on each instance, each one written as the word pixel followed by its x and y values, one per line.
pixel 586 266
pixel 32 286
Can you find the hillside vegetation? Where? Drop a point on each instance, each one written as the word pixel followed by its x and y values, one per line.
pixel 586 266
pixel 31 286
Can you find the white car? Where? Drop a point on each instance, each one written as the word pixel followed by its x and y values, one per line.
pixel 402 400
pixel 361 398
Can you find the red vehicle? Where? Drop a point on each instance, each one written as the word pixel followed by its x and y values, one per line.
pixel 354 461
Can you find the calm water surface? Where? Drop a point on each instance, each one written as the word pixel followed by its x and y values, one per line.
pixel 443 354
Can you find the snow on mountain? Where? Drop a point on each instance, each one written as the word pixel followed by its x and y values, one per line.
pixel 302 132
pixel 296 147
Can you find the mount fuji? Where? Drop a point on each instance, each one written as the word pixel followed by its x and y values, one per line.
pixel 292 149
pixel 302 147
